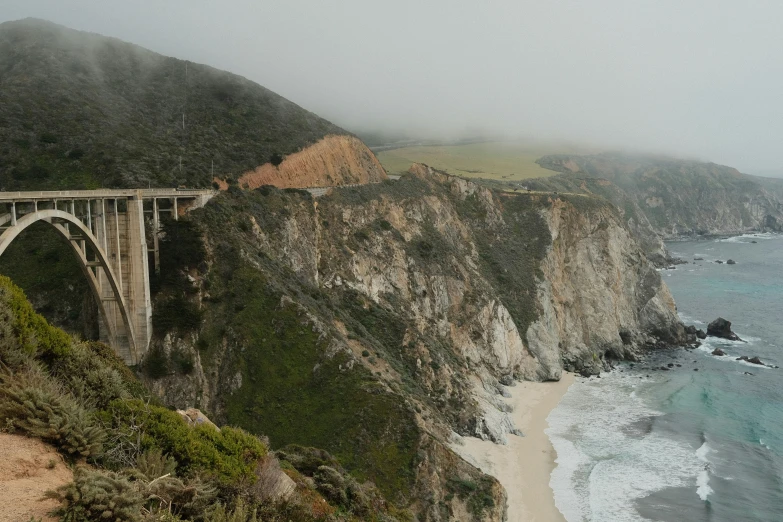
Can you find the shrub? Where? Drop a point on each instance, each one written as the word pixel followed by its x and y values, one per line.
pixel 98 495
pixel 241 513
pixel 32 332
pixel 229 455
pixel 32 403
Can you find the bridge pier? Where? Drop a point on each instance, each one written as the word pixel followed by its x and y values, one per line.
pixel 107 230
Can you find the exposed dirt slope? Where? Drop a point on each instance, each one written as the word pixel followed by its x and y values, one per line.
pixel 28 468
pixel 334 160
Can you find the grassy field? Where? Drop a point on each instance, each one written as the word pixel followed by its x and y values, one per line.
pixel 494 160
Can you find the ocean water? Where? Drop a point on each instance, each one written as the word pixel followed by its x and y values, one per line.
pixel 684 445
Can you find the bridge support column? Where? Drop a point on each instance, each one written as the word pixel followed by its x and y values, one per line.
pixel 121 234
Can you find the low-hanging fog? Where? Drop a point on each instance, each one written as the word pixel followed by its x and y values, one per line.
pixel 701 78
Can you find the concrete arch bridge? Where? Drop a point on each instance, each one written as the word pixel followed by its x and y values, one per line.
pixel 107 232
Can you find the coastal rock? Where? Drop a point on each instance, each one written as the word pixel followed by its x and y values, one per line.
pixel 698 259
pixel 720 327
pixel 718 352
pixel 731 262
pixel 719 261
pixel 701 334
pixel 752 360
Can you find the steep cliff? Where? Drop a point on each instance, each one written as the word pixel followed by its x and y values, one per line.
pixel 334 160
pixel 673 197
pixel 376 320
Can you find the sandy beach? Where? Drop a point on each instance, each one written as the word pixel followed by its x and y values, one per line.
pixel 524 465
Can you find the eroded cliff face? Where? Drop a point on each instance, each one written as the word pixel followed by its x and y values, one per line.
pixel 677 197
pixel 333 160
pixel 411 305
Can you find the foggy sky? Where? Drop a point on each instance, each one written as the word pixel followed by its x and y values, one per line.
pixel 702 78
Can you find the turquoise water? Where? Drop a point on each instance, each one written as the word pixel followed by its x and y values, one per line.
pixel 684 445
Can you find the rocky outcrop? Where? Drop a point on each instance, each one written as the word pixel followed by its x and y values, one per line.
pixel 720 327
pixel 334 160
pixel 600 296
pixel 430 293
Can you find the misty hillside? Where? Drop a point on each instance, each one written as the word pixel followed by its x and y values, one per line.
pixel 79 110
pixel 671 197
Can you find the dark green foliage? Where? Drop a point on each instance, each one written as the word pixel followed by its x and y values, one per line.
pixel 229 456
pixel 511 256
pixel 477 494
pixel 98 495
pixel 276 159
pixel 156 362
pixel 32 332
pixel 175 313
pixel 122 108
pixel 294 393
pixel 181 250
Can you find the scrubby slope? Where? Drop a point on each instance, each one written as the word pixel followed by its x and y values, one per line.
pixel 134 460
pixel 79 110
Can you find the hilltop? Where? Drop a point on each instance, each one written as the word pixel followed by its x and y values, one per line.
pixel 80 110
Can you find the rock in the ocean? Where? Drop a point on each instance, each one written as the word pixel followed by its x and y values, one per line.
pixel 731 262
pixel 718 351
pixel 720 327
pixel 754 242
pixel 719 262
pixel 698 259
pixel 752 360
pixel 701 334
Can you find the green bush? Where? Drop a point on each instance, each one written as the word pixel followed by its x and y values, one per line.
pixel 98 495
pixel 32 403
pixel 229 456
pixel 32 331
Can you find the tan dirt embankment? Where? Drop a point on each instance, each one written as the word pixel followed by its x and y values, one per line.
pixel 28 469
pixel 335 160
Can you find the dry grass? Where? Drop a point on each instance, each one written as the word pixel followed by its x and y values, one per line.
pixel 494 160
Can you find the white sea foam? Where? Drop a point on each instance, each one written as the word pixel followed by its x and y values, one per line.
pixel 708 347
pixel 746 238
pixel 606 457
pixel 703 488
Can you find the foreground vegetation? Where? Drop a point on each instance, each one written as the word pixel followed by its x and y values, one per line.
pixel 136 460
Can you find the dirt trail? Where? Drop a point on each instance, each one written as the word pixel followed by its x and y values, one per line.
pixel 28 468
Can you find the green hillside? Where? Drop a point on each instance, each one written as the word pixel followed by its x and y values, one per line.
pixel 80 110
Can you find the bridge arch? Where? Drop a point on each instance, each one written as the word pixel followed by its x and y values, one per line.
pixel 80 240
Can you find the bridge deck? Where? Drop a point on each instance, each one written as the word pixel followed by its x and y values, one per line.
pixel 105 194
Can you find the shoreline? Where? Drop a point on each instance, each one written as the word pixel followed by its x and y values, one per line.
pixel 523 466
